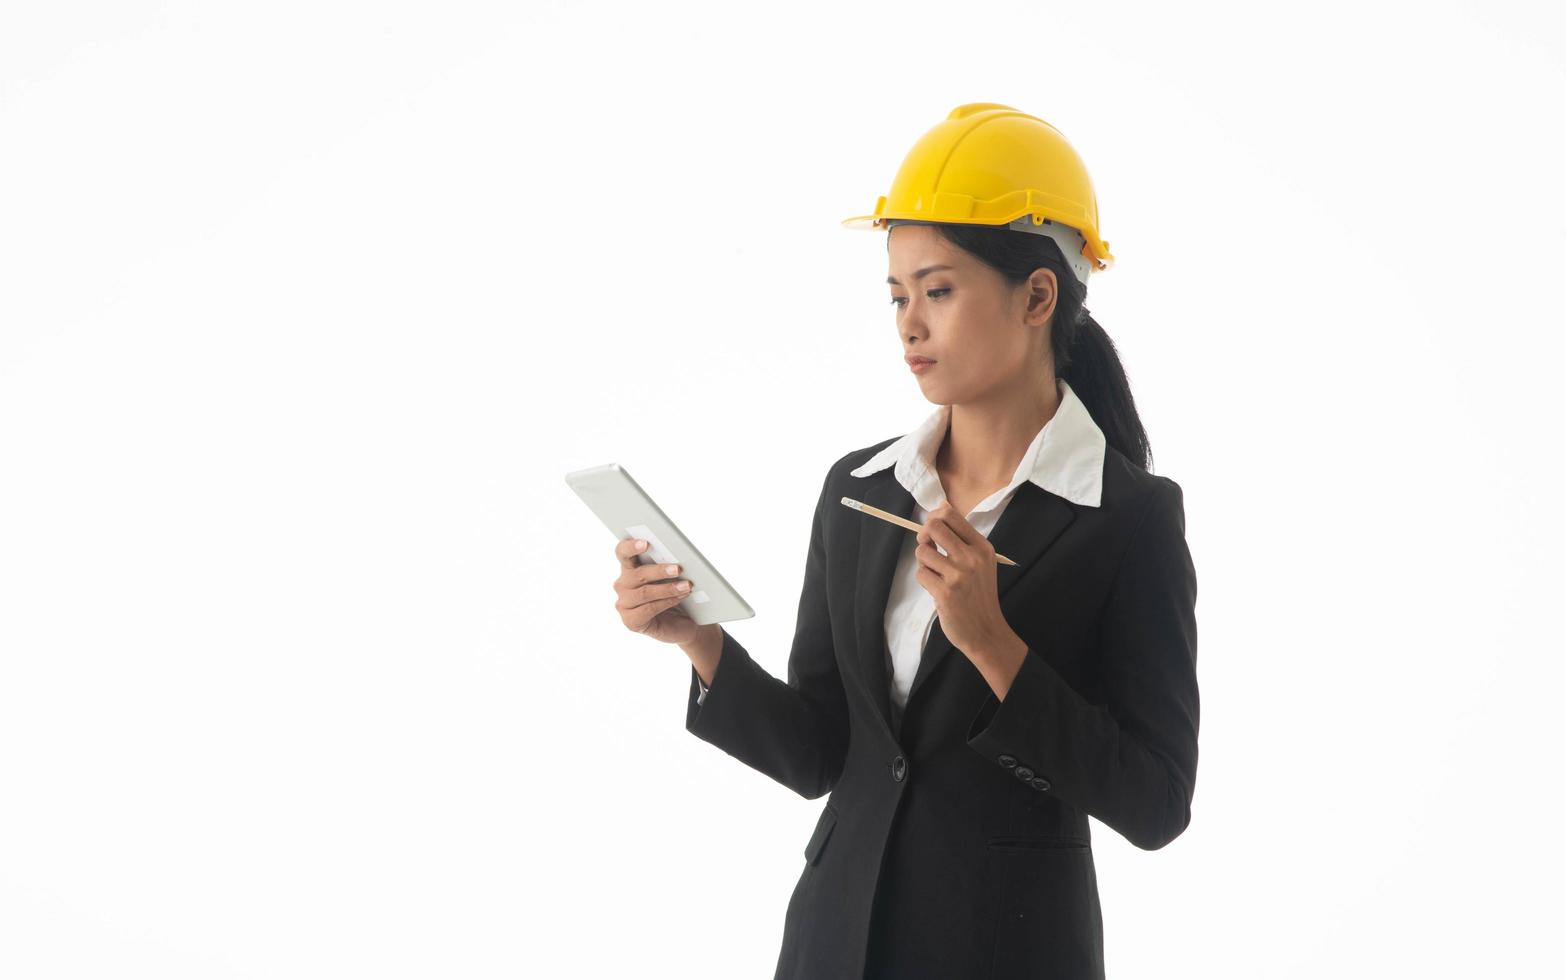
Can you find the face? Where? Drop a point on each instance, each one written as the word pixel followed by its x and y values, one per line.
pixel 983 333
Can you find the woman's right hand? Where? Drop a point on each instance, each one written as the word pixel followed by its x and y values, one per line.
pixel 649 597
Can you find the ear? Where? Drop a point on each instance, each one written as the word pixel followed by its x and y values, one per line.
pixel 1042 292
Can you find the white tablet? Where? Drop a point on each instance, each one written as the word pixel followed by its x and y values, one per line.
pixel 627 510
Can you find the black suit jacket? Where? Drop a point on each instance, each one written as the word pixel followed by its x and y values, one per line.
pixel 956 844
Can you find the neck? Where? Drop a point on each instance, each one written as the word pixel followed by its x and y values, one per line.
pixel 986 439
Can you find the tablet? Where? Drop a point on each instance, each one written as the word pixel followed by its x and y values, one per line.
pixel 627 510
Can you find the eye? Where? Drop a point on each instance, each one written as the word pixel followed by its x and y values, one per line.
pixel 928 292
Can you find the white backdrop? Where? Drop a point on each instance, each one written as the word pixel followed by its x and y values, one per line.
pixel 309 665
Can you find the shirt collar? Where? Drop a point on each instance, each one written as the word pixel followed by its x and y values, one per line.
pixel 1066 457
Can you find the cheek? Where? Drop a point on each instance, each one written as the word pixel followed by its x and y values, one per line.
pixel 980 345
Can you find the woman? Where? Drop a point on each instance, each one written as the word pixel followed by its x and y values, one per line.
pixel 965 715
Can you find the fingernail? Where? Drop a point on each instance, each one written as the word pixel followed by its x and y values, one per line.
pixel 684 586
pixel 671 570
pixel 640 545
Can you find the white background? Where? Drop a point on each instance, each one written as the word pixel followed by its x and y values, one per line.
pixel 309 665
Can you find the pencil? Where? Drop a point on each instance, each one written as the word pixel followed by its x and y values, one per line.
pixel 865 508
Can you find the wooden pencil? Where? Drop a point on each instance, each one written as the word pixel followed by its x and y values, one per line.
pixel 865 508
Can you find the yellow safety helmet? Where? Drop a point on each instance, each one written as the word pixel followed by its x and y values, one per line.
pixel 990 164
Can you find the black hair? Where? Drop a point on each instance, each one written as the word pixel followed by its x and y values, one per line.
pixel 1084 355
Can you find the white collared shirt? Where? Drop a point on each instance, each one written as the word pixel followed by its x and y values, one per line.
pixel 1066 458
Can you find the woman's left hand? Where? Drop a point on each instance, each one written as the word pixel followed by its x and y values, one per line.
pixel 962 582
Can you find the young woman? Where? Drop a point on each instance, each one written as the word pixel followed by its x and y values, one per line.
pixel 966 715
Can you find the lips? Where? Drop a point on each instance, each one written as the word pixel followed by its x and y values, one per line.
pixel 913 359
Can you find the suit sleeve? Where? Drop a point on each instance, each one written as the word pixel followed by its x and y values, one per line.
pixel 794 732
pixel 1131 761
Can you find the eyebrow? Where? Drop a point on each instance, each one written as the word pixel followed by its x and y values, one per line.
pixel 920 274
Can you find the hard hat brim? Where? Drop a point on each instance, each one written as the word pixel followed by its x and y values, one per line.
pixel 867 221
pixel 1100 257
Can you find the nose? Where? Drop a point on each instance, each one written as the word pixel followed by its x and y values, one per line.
pixel 911 316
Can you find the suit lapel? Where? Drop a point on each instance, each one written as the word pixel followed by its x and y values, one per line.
pixel 1031 522
pixel 879 545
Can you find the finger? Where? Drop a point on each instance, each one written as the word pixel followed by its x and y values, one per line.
pixel 941 533
pixel 936 562
pixel 627 550
pixel 967 534
pixel 634 580
pixel 650 611
pixel 661 590
pixel 653 594
pixel 648 574
pixel 960 527
pixel 931 582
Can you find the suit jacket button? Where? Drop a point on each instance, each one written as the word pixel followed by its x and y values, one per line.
pixel 1008 761
pixel 899 768
pixel 1023 773
pixel 1039 782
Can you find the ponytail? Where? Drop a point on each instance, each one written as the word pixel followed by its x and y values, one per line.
pixel 1088 361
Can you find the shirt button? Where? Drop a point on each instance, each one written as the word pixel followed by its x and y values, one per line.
pixel 1039 782
pixel 1023 773
pixel 1008 761
pixel 899 768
